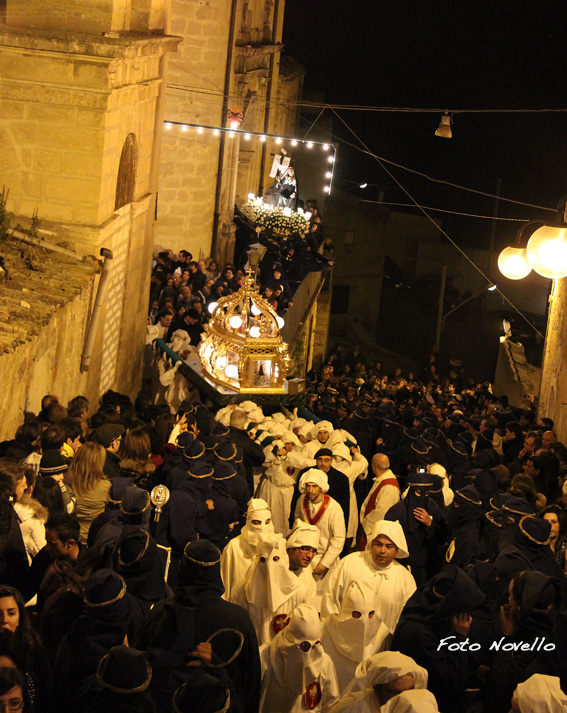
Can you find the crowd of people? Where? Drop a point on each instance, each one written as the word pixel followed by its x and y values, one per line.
pixel 182 288
pixel 400 548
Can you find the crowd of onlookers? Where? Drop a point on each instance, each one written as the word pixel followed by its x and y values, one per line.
pixel 182 288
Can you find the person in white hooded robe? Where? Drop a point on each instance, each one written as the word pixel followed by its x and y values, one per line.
pixel 298 676
pixel 302 545
pixel 317 508
pixel 239 553
pixel 377 680
pixel 321 433
pixel 270 591
pixel 354 633
pixel 354 465
pixel 416 701
pixel 539 694
pixel 283 462
pixel 389 581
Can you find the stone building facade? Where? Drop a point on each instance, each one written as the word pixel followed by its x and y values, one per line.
pixel 230 60
pixel 81 116
pixel 553 389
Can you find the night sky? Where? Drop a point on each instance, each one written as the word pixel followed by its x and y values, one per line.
pixel 454 55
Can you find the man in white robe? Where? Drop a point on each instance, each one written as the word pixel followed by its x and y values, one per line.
pixel 377 680
pixel 354 465
pixel 302 546
pixel 270 591
pixel 298 675
pixel 284 460
pixel 384 493
pixel 321 433
pixel 239 553
pixel 317 508
pixel 390 582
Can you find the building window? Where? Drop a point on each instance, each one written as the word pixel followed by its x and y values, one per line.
pixel 126 180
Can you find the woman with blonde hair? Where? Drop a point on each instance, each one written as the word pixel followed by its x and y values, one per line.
pixel 90 486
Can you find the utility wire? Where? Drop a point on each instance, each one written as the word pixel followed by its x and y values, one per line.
pixel 442 210
pixel 434 222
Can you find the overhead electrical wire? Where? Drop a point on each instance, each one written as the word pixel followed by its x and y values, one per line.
pixel 434 222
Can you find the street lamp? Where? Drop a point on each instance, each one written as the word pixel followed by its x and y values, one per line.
pixel 545 252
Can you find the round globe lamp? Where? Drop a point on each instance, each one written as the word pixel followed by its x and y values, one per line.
pixel 547 251
pixel 513 263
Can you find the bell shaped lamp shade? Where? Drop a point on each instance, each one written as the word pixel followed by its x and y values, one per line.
pixel 444 128
pixel 547 251
pixel 513 263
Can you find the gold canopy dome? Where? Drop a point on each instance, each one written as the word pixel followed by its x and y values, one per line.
pixel 242 348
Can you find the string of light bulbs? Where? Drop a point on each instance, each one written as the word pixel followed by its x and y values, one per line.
pixel 233 131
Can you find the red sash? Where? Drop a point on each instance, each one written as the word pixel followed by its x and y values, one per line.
pixel 371 504
pixel 320 512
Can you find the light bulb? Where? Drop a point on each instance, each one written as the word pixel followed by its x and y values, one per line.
pixel 308 215
pixel 235 322
pixel 280 321
pixel 167 125
pixel 255 310
pixel 208 351
pixel 326 189
pixel 262 138
pixel 231 134
pixel 216 132
pixel 254 332
pixel 309 145
pixel 299 210
pixel 325 147
pixel 278 140
pixel 294 143
pixel 212 306
pixel 247 137
pixel 328 174
pixel 251 197
pixel 184 127
pixel 234 125
pixel 547 251
pixel 330 159
pixel 231 371
pixel 200 130
pixel 513 263
pixel 287 212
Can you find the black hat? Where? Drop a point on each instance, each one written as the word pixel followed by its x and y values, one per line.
pixel 53 463
pixel 202 693
pixel 225 450
pixel 323 452
pixel 124 670
pixel 223 470
pixel 108 433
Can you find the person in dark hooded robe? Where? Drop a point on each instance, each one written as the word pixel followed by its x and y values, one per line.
pixel 458 463
pixel 443 607
pixel 514 508
pixel 121 684
pixel 202 693
pixel 103 625
pixel 219 524
pixel 227 452
pixel 484 454
pixel 236 485
pixel 530 551
pixel 423 526
pixel 553 663
pixel 197 613
pixel 137 560
pixel 534 600
pixel 135 510
pixel 464 517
